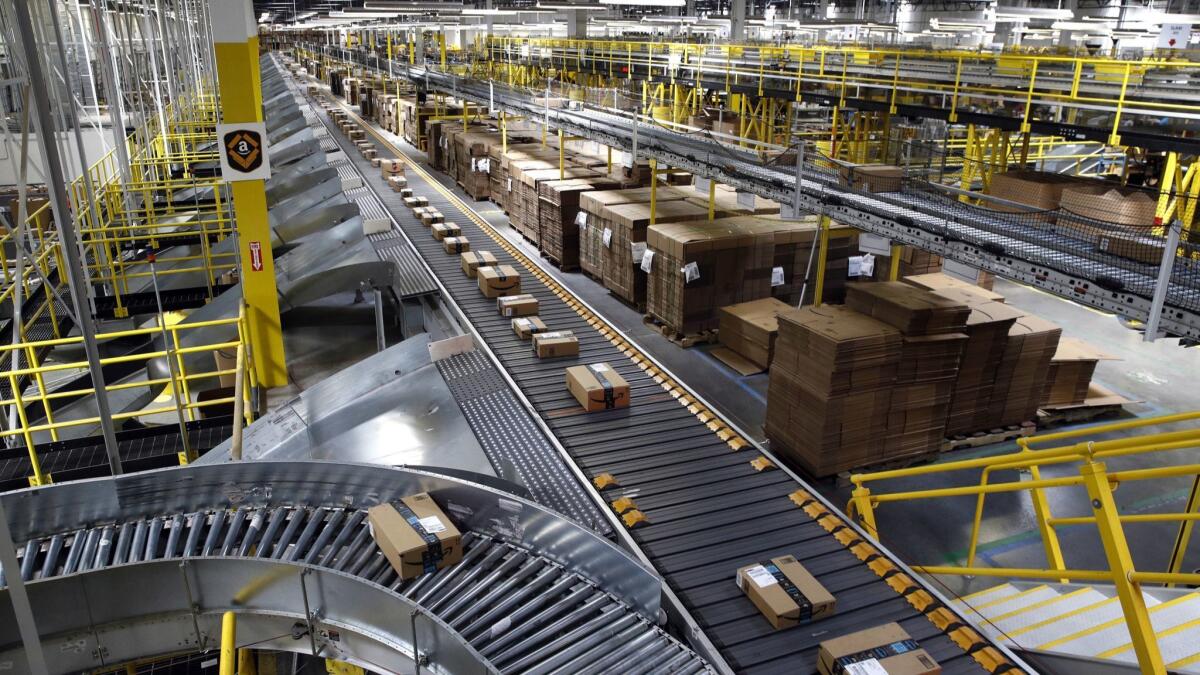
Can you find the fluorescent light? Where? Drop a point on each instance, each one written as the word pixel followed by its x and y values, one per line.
pixel 646 3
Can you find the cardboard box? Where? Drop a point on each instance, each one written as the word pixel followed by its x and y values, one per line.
pixel 889 646
pixel 914 311
pixel 432 216
pixel 527 326
pixel 397 182
pixel 596 386
pixel 1110 203
pixel 415 535
pixel 498 280
pixel 456 244
pixel 473 260
pixel 517 305
pixel 554 344
pixel 391 167
pixel 872 177
pixel 442 230
pixel 785 592
pixel 939 283
pixel 750 328
pixel 1041 190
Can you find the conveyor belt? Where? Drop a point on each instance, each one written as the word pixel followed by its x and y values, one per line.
pixel 173 299
pixel 1009 245
pixel 709 511
pixel 522 606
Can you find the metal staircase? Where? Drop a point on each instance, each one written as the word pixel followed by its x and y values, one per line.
pixel 1087 621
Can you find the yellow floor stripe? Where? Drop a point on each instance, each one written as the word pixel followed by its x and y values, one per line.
pixel 1191 660
pixel 968 598
pixel 1166 633
pixel 1006 598
pixel 1037 605
pixel 1110 624
pixel 1060 617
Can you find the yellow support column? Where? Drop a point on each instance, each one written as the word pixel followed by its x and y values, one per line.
pixel 1116 549
pixel 822 260
pixel 894 262
pixel 235 34
pixel 228 662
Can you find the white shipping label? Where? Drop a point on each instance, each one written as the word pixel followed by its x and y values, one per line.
pixel 786 211
pixel 855 266
pixel 599 367
pixel 691 272
pixel 510 185
pixel 868 667
pixel 647 260
pixel 746 200
pixel 581 219
pixel 761 577
pixel 777 277
pixel 523 322
pixel 607 236
pixel 868 265
pixel 638 250
pixel 432 524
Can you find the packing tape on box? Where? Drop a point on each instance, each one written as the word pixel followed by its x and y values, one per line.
pixel 610 396
pixel 878 653
pixel 433 546
pixel 788 587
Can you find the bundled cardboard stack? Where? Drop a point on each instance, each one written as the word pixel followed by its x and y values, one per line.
pixel 830 388
pixel 623 243
pixel 1021 378
pixel 942 283
pixel 591 226
pixel 558 217
pixel 750 329
pixel 1071 371
pixel 933 346
pixel 470 162
pixel 987 336
pixel 697 267
pixel 794 258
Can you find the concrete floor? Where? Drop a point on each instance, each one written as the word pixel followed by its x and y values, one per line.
pixel 1158 377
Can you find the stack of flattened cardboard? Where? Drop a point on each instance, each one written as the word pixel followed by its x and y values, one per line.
pixel 622 243
pixel 933 346
pixel 436 143
pixel 830 388
pixel 987 336
pixel 749 329
pixel 527 182
pixel 594 221
pixel 468 160
pixel 938 283
pixel 698 267
pixel 1071 372
pixel 558 216
pixel 1021 378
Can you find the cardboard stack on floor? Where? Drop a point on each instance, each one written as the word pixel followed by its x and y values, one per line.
pixel 558 217
pixel 933 344
pixel 698 267
pixel 830 388
pixel 1071 370
pixel 795 257
pixel 591 227
pixel 749 330
pixel 468 160
pixel 623 232
pixel 1021 377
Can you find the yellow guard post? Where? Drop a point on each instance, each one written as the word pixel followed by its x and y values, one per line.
pixel 235 37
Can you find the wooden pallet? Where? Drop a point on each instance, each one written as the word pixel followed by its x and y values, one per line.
pixel 989 437
pixel 684 340
pixel 1100 403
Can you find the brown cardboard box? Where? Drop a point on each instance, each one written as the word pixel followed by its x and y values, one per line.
pixel 938 282
pixel 766 586
pixel 411 552
pixel 1110 203
pixel 597 386
pixel 750 328
pixel 888 645
pixel 1039 189
pixel 913 310
pixel 397 182
pixel 526 326
pixel 517 305
pixel 432 216
pixel 443 230
pixel 456 244
pixel 498 280
pixel 872 177
pixel 473 260
pixel 554 344
pixel 391 167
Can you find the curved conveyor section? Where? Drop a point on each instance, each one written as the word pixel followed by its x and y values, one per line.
pixel 142 565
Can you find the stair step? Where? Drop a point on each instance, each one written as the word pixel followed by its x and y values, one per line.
pixel 1105 637
pixel 1175 642
pixel 1052 629
pixel 987 595
pixel 1054 607
pixel 1015 602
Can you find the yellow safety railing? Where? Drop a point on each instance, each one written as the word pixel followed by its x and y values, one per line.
pixel 182 384
pixel 1080 448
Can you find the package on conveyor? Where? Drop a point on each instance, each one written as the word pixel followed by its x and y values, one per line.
pixel 431 217
pixel 1071 370
pixel 597 386
pixel 750 328
pixel 785 592
pixel 517 305
pixel 442 230
pixel 1041 190
pixel 559 221
pixel 526 326
pixel 829 388
pixel 416 202
pixel 694 268
pixel 456 244
pixel 415 535
pixel 397 182
pixel 882 649
pixel 553 344
pixel 375 162
pixel 391 167
pixel 473 260
pixel 1113 219
pixel 593 222
pixel 498 280
pixel 872 177
pixel 623 230
pixel 1021 377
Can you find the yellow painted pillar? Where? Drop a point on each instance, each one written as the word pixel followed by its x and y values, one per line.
pixel 228 662
pixel 235 34
pixel 653 189
pixel 894 262
pixel 822 261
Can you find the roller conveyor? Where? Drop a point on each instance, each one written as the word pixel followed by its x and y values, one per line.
pixel 1009 245
pixel 708 511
